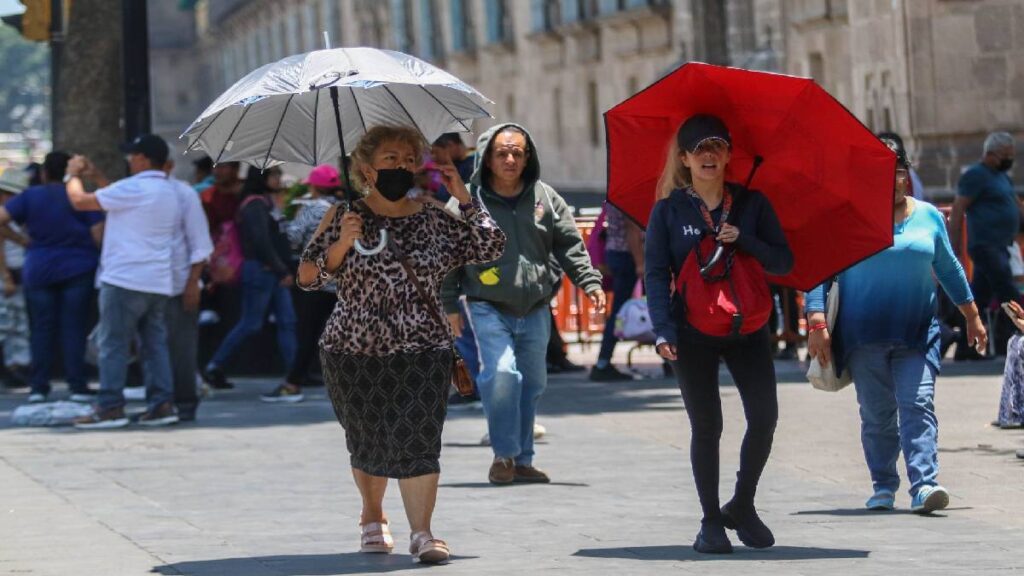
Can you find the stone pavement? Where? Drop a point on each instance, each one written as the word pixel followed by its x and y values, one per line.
pixel 259 490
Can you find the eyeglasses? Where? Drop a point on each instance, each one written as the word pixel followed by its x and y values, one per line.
pixel 902 173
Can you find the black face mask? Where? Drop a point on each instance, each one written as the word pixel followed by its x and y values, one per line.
pixel 1005 164
pixel 393 183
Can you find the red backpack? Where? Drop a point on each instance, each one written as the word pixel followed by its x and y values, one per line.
pixel 725 291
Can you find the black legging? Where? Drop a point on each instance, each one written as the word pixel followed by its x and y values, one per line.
pixel 750 363
pixel 312 309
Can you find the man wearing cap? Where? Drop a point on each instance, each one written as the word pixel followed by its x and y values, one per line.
pixel 136 278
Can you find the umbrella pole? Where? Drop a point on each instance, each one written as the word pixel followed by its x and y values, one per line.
pixel 349 190
pixel 753 169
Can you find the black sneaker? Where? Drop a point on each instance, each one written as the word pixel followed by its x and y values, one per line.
pixel 285 394
pixel 712 538
pixel 748 526
pixel 564 366
pixel 216 379
pixel 608 374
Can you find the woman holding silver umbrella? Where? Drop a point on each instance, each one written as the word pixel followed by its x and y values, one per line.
pixel 386 350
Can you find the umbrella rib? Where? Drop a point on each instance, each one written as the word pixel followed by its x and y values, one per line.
pixel 277 130
pixel 438 100
pixel 402 106
pixel 316 111
pixel 224 147
pixel 358 109
pixel 200 136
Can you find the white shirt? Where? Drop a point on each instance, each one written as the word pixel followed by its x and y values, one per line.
pixel 143 212
pixel 191 244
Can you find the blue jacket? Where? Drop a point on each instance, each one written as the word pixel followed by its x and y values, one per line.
pixel 676 226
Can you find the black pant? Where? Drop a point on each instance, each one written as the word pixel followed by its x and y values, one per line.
pixel 750 363
pixel 312 310
pixel 993 278
pixel 183 345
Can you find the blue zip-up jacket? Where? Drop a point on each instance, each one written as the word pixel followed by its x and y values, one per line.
pixel 676 226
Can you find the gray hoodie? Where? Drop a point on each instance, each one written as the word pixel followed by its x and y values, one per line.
pixel 539 226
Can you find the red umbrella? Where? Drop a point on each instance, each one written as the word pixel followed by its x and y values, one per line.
pixel 828 177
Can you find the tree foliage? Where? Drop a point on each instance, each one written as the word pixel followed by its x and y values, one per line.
pixel 24 83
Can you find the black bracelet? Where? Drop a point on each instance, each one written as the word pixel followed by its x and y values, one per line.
pixel 466 206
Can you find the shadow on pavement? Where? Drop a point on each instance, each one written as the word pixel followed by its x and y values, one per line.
pixel 851 512
pixel 687 553
pixel 509 487
pixel 299 564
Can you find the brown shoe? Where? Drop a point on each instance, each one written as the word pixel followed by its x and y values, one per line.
pixel 530 475
pixel 102 420
pixel 502 471
pixel 162 415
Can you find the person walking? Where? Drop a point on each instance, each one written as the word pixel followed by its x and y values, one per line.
pixel 985 195
pixel 624 256
pixel 266 276
pixel 313 307
pixel 58 276
pixel 387 350
pixel 508 297
pixel 697 203
pixel 190 249
pixel 888 336
pixel 136 278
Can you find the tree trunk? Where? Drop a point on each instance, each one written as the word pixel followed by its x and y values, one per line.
pixel 89 100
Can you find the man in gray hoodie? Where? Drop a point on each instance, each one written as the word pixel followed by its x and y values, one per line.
pixel 508 298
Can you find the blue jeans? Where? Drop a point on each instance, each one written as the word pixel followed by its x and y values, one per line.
pixel 261 290
pixel 513 375
pixel 466 346
pixel 63 309
pixel 123 313
pixel 623 282
pixel 896 391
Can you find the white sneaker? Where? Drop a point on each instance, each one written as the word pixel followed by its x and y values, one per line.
pixel 135 393
pixel 36 398
pixel 82 398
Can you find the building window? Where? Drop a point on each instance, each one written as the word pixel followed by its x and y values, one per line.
pixel 403 26
pixel 588 9
pixel 463 29
pixel 547 15
pixel 499 22
pixel 593 114
pixel 432 47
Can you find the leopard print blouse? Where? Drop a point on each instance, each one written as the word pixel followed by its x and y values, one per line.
pixel 379 311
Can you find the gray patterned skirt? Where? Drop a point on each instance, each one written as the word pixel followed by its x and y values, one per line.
pixel 392 409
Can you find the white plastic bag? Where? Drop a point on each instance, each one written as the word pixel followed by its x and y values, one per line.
pixel 824 377
pixel 633 321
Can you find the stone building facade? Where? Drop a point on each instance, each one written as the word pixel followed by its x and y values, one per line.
pixel 941 72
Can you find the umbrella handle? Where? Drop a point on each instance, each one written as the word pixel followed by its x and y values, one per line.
pixel 715 257
pixel 383 241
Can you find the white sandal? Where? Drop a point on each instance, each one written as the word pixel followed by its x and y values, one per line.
pixel 428 550
pixel 376 538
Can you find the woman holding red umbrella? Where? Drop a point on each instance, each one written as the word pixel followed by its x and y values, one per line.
pixel 699 210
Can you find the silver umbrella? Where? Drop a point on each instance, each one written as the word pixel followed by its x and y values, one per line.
pixel 313 107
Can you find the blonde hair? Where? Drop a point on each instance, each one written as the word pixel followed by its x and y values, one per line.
pixel 373 139
pixel 675 174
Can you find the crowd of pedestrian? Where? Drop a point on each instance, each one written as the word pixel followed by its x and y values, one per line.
pixel 358 287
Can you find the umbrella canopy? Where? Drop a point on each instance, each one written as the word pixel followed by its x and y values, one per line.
pixel 284 112
pixel 828 177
